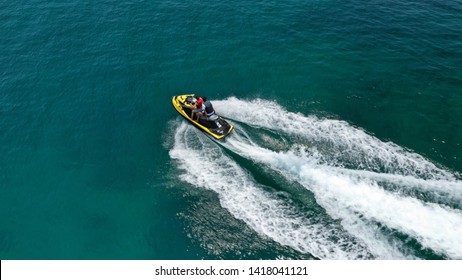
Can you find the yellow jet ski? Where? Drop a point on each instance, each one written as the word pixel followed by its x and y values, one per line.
pixel 215 126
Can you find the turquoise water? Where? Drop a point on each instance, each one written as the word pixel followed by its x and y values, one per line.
pixel 347 140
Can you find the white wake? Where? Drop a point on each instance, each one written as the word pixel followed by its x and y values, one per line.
pixel 319 157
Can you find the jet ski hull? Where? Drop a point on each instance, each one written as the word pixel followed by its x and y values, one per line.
pixel 218 128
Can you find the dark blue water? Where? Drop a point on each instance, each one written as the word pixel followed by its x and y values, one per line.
pixel 347 140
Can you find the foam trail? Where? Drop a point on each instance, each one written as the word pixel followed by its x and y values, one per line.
pixel 447 192
pixel 348 171
pixel 264 212
pixel 345 197
pixel 377 244
pixel 332 138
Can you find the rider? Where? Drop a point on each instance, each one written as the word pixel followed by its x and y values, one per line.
pixel 200 108
pixel 209 111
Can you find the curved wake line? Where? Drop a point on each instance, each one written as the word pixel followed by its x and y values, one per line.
pixel 260 210
pixel 333 137
pixel 449 191
pixel 347 197
pixel 317 158
pixel 352 194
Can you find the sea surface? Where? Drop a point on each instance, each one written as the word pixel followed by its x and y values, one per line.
pixel 347 140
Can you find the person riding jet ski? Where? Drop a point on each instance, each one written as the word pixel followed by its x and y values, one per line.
pixel 199 110
pixel 202 115
pixel 210 113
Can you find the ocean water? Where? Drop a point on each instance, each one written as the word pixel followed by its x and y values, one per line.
pixel 347 140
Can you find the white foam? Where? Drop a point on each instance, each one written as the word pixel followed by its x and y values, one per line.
pixel 319 163
pixel 449 191
pixel 377 244
pixel 347 198
pixel 206 166
pixel 336 140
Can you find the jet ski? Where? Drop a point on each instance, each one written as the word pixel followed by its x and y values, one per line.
pixel 215 126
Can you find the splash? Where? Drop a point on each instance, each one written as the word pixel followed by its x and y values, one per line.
pixel 205 165
pixel 348 197
pixel 339 142
pixel 364 183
